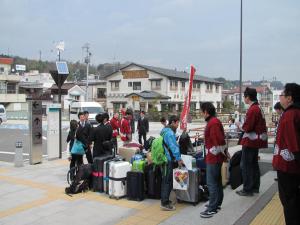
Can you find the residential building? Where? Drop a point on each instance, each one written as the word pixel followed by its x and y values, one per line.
pixel 264 96
pixel 143 87
pixel 9 86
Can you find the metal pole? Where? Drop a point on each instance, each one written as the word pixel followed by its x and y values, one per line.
pixel 241 60
pixel 87 75
pixel 59 111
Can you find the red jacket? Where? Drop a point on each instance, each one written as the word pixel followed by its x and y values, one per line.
pixel 125 129
pixel 255 129
pixel 288 141
pixel 214 141
pixel 115 124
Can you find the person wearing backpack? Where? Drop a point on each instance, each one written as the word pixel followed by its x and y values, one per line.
pixel 172 153
pixel 216 147
pixel 75 160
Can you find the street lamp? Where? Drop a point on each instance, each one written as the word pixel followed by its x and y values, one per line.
pixel 241 59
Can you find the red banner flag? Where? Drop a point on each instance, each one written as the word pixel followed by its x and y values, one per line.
pixel 187 101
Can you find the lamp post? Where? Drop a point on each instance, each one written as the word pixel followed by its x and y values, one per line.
pixel 241 60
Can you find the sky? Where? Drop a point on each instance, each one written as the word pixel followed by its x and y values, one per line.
pixel 163 33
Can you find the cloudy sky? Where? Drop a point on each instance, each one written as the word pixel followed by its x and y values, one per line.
pixel 164 33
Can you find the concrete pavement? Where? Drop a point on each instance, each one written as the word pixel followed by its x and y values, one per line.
pixel 34 194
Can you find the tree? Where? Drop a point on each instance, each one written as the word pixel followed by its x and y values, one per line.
pixel 228 106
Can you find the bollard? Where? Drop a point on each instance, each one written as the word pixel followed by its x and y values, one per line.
pixel 19 154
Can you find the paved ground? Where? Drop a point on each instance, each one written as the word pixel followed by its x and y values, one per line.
pixel 34 194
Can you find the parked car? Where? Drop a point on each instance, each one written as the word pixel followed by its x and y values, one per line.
pixel 3 117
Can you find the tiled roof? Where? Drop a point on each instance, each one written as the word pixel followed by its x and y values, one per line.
pixel 7 61
pixel 170 73
pixel 149 95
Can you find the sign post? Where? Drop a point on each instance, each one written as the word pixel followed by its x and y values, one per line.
pixel 35 131
pixel 53 131
pixel 59 76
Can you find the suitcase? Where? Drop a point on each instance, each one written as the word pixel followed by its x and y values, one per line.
pixel 97 174
pixel 153 179
pixel 127 153
pixel 235 172
pixel 201 165
pixel 139 165
pixel 106 172
pixel 135 186
pixel 235 177
pixel 117 178
pixel 192 193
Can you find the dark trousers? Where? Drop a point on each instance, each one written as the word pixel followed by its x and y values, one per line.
pixel 289 194
pixel 115 145
pixel 76 160
pixel 214 184
pixel 250 169
pixel 166 183
pixel 140 138
pixel 89 156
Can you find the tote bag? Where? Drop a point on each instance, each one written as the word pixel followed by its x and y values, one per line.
pixel 77 148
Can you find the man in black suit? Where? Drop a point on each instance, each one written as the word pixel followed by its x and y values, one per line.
pixel 102 136
pixel 142 127
pixel 83 134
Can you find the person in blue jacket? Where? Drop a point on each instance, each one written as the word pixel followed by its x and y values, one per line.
pixel 170 145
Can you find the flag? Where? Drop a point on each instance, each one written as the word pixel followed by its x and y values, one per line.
pixel 187 101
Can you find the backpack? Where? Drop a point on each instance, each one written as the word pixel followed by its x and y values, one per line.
pixel 157 151
pixel 78 178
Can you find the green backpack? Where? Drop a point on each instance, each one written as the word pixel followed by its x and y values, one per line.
pixel 157 151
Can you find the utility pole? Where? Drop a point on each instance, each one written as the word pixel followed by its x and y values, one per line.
pixel 87 59
pixel 241 61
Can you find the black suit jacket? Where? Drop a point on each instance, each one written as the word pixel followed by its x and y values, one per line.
pixel 143 126
pixel 83 133
pixel 100 136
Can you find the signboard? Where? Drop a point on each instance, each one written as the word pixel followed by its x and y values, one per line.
pixel 53 131
pixel 132 74
pixel 21 67
pixel 36 131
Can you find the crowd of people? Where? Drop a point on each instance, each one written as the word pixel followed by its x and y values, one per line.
pixel 253 137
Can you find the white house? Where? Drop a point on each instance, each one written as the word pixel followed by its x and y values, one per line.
pixel 142 87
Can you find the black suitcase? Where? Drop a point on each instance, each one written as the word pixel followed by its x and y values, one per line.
pixel 235 177
pixel 235 172
pixel 153 181
pixel 135 186
pixel 97 174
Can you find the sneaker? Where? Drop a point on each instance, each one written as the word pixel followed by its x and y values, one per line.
pixel 244 193
pixel 207 213
pixel 168 207
pixel 218 207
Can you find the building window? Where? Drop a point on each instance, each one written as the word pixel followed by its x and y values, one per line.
pixel 209 87
pixel 129 84
pixel 137 86
pixel 196 85
pixel 11 88
pixel 115 85
pixel 1 69
pixel 183 85
pixel 173 84
pixel 101 93
pixel 217 88
pixel 155 85
pixel 2 87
